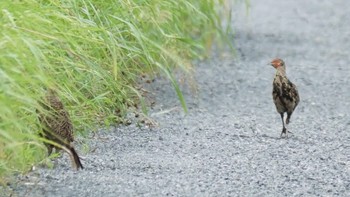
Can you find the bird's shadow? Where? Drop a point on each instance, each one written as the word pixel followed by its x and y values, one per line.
pixel 270 137
pixel 291 137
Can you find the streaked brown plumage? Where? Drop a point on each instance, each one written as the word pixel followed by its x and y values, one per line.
pixel 285 94
pixel 58 127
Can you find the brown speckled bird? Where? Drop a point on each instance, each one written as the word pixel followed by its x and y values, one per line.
pixel 58 127
pixel 285 94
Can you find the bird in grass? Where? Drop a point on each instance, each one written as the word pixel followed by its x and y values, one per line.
pixel 285 94
pixel 57 127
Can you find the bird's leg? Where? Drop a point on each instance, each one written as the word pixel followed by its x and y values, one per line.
pixel 284 130
pixel 288 120
pixel 49 149
pixel 288 117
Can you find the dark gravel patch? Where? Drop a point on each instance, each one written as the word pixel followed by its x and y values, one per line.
pixel 228 144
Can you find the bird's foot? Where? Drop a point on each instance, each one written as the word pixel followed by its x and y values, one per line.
pixel 284 131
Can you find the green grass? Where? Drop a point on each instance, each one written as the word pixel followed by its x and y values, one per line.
pixel 92 52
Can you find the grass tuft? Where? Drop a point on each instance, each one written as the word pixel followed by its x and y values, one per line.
pixel 92 53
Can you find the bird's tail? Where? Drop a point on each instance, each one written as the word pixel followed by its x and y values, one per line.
pixel 75 159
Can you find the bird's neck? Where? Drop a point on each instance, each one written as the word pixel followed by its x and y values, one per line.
pixel 281 71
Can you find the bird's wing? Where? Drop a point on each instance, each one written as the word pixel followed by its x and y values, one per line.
pixel 290 92
pixel 295 93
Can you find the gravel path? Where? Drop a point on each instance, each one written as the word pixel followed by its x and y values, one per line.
pixel 229 145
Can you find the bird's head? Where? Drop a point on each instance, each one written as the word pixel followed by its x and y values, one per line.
pixel 276 63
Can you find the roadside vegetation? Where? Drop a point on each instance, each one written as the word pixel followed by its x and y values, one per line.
pixel 93 53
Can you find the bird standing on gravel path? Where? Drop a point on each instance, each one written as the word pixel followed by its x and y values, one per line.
pixel 58 127
pixel 285 94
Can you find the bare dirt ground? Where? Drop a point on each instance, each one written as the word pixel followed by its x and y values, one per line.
pixel 229 144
